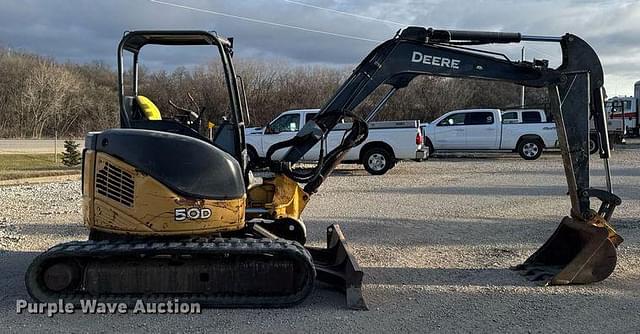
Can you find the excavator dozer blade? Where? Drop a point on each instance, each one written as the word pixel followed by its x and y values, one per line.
pixel 336 265
pixel 578 252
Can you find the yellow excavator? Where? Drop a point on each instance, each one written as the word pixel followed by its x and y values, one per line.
pixel 174 212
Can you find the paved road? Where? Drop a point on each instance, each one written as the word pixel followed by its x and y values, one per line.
pixel 33 146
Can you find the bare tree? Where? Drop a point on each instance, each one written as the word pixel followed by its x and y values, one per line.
pixel 39 96
pixel 45 94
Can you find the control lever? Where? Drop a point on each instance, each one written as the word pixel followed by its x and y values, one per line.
pixel 189 113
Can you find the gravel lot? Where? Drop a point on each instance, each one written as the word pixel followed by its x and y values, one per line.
pixel 434 238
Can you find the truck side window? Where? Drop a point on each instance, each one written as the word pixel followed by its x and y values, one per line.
pixel 476 118
pixel 455 119
pixel 531 117
pixel 286 123
pixel 510 118
pixel 309 117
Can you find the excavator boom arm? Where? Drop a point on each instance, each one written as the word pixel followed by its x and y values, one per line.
pixel 583 247
pixel 398 61
pixel 575 90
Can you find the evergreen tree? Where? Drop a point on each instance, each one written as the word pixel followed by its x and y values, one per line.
pixel 71 155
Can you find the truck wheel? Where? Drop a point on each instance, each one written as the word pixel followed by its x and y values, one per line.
pixel 377 161
pixel 593 145
pixel 530 149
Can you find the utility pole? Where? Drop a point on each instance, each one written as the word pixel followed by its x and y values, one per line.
pixel 522 98
pixel 55 148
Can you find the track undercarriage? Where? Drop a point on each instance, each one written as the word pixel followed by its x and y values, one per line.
pixel 256 271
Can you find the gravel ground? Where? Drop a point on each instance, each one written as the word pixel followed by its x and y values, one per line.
pixel 434 238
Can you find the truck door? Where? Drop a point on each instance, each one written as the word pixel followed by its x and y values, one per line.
pixel 450 132
pixel 614 122
pixel 630 118
pixel 482 130
pixel 282 128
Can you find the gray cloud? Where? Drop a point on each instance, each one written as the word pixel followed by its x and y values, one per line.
pixel 83 30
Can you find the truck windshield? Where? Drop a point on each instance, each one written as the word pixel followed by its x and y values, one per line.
pixel 610 108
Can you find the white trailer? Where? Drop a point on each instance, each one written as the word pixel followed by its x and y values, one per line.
pixel 623 113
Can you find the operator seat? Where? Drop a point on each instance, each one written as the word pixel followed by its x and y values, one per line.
pixel 144 114
pixel 141 108
pixel 149 109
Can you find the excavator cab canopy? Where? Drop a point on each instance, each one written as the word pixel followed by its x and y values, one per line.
pixel 138 111
pixel 135 40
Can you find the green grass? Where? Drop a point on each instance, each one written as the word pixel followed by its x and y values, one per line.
pixel 17 166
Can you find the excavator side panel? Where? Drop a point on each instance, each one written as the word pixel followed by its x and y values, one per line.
pixel 125 200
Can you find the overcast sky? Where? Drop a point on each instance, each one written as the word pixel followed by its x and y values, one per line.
pixel 86 30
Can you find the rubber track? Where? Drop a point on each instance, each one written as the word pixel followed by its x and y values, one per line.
pixel 84 250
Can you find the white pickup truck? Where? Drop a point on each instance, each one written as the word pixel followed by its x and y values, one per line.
pixel 387 142
pixel 525 131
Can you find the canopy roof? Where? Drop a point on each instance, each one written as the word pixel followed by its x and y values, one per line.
pixel 134 40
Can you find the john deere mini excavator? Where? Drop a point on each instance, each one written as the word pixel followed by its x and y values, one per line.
pixel 175 213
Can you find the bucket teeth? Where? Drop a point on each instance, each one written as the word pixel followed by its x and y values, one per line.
pixel 537 274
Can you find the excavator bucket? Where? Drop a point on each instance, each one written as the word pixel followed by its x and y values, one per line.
pixel 336 266
pixel 578 252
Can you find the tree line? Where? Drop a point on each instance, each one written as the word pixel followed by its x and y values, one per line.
pixel 40 97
